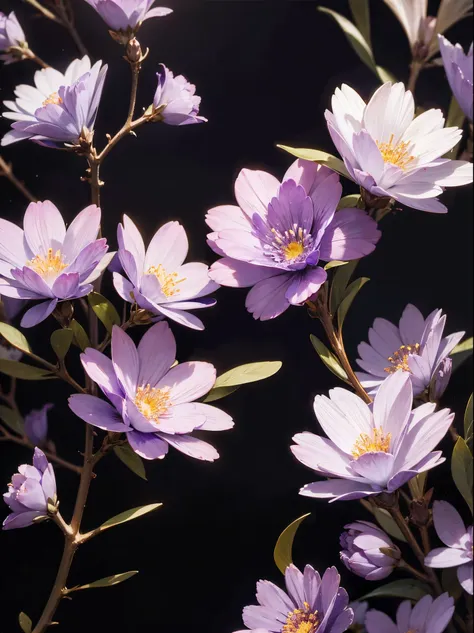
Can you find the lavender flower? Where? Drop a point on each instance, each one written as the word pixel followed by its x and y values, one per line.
pixel 127 15
pixel 273 241
pixel 310 604
pixel 11 36
pixel 47 262
pixel 360 610
pixel 441 379
pixel 368 551
pixel 36 424
pixel 175 101
pixel 459 551
pixel 60 109
pixel 390 153
pixel 371 449
pixel 159 281
pixel 416 346
pixel 459 69
pixel 153 404
pixel 31 495
pixel 427 616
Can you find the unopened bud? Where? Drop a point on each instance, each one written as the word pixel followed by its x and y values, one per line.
pixel 441 380
pixel 134 51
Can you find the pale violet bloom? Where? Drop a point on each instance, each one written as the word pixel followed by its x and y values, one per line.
pixel 152 400
pixel 36 425
pixel 47 262
pixel 60 108
pixel 415 346
pixel 175 101
pixel 459 544
pixel 371 449
pixel 368 551
pixel 360 610
pixel 127 15
pixel 158 280
pixel 427 616
pixel 459 68
pixel 392 154
pixel 11 36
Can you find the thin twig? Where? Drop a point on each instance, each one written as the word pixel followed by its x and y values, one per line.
pixel 415 69
pixel 7 171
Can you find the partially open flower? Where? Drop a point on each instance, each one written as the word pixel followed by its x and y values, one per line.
pixel 175 101
pixel 368 551
pixel 126 16
pixel 427 616
pixel 459 69
pixel 11 36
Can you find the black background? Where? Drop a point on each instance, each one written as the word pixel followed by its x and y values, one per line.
pixel 266 72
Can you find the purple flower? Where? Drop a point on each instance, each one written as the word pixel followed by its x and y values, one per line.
pixel 371 449
pixel 36 424
pixel 390 153
pixel 311 604
pixel 416 346
pixel 153 404
pixel 273 241
pixel 47 262
pixel 60 109
pixel 360 609
pixel 175 101
pixel 427 616
pixel 30 493
pixel 11 35
pixel 127 15
pixel 159 281
pixel 365 551
pixel 441 379
pixel 458 553
pixel 459 69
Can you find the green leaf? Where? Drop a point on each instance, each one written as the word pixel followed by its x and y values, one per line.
pixel 361 13
pixel 61 342
pixel 349 297
pixel 386 522
pixel 219 393
pixel 109 581
pixel 15 337
pixel 348 202
pixel 334 264
pixel 27 372
pixel 127 455
pixel 12 419
pixel 251 372
pixel 455 118
pixel 450 582
pixel 104 310
pixel 25 622
pixel 283 553
pixel 339 284
pixel 461 353
pixel 461 470
pixel 407 588
pixel 385 75
pixel 80 337
pixel 468 423
pixel 318 156
pixel 329 359
pixel 129 515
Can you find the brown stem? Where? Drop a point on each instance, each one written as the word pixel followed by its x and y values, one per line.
pixel 135 67
pixel 425 539
pixel 7 171
pixel 404 565
pixel 415 70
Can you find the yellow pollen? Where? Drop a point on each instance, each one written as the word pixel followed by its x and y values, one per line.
pixel 399 360
pixel 292 251
pixel 47 266
pixel 168 281
pixel 302 621
pixel 398 154
pixel 377 442
pixel 53 98
pixel 152 402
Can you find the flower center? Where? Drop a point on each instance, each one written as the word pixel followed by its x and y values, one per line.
pixel 53 98
pixel 47 266
pixel 377 442
pixel 291 244
pixel 399 360
pixel 168 281
pixel 398 154
pixel 293 250
pixel 152 402
pixel 302 621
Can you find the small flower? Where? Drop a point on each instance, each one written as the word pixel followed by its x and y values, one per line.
pixel 371 449
pixel 159 280
pixel 36 425
pixel 459 551
pixel 153 404
pixel 175 101
pixel 390 153
pixel 459 69
pixel 274 240
pixel 31 495
pixel 427 616
pixel 368 551
pixel 127 15
pixel 311 604
pixel 60 109
pixel 360 610
pixel 416 346
pixel 11 36
pixel 441 379
pixel 47 262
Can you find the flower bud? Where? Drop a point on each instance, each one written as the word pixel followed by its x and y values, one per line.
pixel 441 379
pixel 36 425
pixel 368 551
pixel 12 38
pixel 134 51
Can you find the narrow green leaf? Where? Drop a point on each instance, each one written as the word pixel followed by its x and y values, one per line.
pixel 334 264
pixel 329 359
pixel 386 522
pixel 318 156
pixel 385 75
pixel 127 455
pixel 129 515
pixel 251 372
pixel 109 581
pixel 455 118
pixel 25 622
pixel 339 284
pixel 219 393
pixel 349 297
pixel 27 372
pixel 61 342
pixel 461 470
pixel 104 310
pixel 80 337
pixel 469 423
pixel 461 353
pixel 283 553
pixel 14 337
pixel 464 346
pixel 407 588
pixel 348 202
pixel 12 419
pixel 450 582
pixel 361 13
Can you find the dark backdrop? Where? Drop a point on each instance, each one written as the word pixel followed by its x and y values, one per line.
pixel 265 71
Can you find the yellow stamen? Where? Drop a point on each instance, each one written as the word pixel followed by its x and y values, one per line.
pixel 168 281
pixel 398 154
pixel 302 621
pixel 293 250
pixel 377 442
pixel 399 360
pixel 53 98
pixel 152 402
pixel 47 266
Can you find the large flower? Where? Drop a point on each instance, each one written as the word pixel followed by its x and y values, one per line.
pixel 416 346
pixel 31 495
pixel 311 604
pixel 371 449
pixel 153 404
pixel 11 36
pixel 175 101
pixel 277 235
pixel 124 15
pixel 459 551
pixel 390 153
pixel 47 262
pixel 159 281
pixel 61 107
pixel 427 616
pixel 459 69
pixel 367 551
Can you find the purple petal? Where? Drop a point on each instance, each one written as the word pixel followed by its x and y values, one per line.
pixel 181 317
pixel 147 445
pixel 465 577
pixel 168 247
pixel 269 595
pixel 12 247
pixel 216 420
pixel 38 313
pixel 411 325
pixel 442 557
pixel 254 191
pixel 44 227
pixel 97 412
pixel 378 622
pixel 66 285
pixel 375 467
pixel 125 361
pixel 20 520
pixel 337 489
pixel 321 455
pixel 237 274
pixel 181 419
pixel 448 524
pixel 156 354
pixel 189 381
pixel 305 284
pixel 267 299
pixel 123 287
pixel 101 370
pixel 392 406
pixel 351 235
pixel 192 447
pixel 130 239
pixel 82 231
